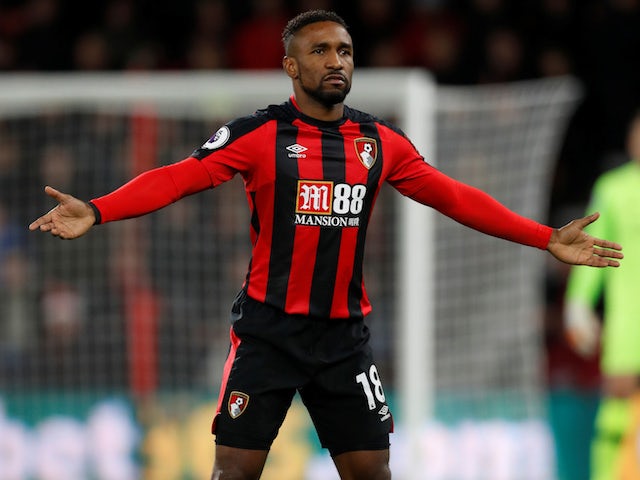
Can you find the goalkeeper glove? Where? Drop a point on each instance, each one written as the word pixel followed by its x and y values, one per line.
pixel 582 327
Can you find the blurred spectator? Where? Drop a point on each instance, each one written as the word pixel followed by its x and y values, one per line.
pixel 7 55
pixel 10 165
pixel 143 57
pixel 58 166
pixel 612 42
pixel 384 54
pixel 44 43
pixel 553 61
pixel 211 20
pixel 373 23
pixel 11 235
pixel 502 57
pixel 92 52
pixel 12 20
pixel 18 290
pixel 433 39
pixel 205 54
pixel 17 296
pixel 553 22
pixel 255 41
pixel 18 314
pixel 481 18
pixel 119 29
pixel 207 49
pixel 63 320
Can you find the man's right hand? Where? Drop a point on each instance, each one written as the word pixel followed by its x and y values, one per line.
pixel 71 218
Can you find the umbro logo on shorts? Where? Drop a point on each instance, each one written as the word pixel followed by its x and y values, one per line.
pixel 384 413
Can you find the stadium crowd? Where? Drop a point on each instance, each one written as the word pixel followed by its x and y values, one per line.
pixel 460 41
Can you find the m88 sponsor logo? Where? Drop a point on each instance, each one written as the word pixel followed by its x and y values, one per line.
pixel 325 203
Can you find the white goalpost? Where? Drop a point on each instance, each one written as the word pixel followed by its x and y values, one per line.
pixel 139 310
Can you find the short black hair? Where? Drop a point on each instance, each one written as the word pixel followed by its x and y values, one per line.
pixel 307 18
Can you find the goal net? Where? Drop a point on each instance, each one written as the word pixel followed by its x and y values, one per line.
pixel 502 140
pixel 112 345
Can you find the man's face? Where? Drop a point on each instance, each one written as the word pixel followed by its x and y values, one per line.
pixel 320 60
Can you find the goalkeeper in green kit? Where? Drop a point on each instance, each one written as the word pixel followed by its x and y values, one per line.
pixel 616 195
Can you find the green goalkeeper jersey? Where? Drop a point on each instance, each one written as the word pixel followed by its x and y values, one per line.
pixel 616 195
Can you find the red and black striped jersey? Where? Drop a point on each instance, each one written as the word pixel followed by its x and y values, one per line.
pixel 311 186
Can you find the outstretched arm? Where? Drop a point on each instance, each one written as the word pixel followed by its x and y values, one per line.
pixel 71 218
pixel 476 209
pixel 146 193
pixel 571 244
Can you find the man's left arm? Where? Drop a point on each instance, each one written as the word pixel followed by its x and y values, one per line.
pixel 478 210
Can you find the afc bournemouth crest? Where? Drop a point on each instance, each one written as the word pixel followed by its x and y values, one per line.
pixel 367 151
pixel 238 402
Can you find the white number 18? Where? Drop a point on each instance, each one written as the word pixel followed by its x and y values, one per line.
pixel 366 383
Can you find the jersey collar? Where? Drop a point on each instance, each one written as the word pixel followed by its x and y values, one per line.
pixel 314 121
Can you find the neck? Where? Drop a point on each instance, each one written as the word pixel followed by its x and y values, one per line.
pixel 317 110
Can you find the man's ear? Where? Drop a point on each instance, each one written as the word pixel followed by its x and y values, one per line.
pixel 290 67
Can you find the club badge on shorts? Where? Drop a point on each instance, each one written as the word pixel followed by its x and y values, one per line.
pixel 238 402
pixel 367 151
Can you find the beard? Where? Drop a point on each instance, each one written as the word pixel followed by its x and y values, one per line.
pixel 328 98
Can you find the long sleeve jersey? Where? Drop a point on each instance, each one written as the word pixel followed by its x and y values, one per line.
pixel 311 186
pixel 616 195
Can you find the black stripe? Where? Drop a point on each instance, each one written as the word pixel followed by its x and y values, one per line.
pixel 326 265
pixel 255 220
pixel 255 224
pixel 370 130
pixel 283 214
pixel 96 213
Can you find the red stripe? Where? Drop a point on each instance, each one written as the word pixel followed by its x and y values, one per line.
pixel 235 344
pixel 302 268
pixel 340 304
pixel 305 244
pixel 263 185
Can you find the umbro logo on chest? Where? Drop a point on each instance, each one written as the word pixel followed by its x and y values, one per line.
pixel 297 151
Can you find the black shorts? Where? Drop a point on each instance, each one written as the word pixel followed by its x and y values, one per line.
pixel 330 364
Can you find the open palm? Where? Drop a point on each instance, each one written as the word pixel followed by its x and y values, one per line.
pixel 571 244
pixel 71 218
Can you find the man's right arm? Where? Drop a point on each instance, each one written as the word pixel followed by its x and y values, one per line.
pixel 149 191
pixel 152 190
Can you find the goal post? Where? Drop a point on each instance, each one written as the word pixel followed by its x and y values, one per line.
pixel 139 310
pixel 414 363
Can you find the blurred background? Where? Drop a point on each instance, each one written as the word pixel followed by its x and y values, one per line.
pixel 115 334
